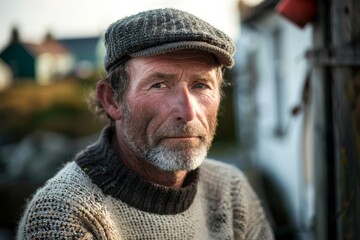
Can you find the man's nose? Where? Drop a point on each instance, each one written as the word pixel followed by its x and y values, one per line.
pixel 184 105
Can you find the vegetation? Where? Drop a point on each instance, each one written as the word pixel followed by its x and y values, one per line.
pixel 59 107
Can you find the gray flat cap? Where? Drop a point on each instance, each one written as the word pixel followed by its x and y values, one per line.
pixel 162 31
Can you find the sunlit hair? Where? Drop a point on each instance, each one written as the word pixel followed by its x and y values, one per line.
pixel 119 81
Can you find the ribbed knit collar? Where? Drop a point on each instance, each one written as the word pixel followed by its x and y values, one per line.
pixel 114 178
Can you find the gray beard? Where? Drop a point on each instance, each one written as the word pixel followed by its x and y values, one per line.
pixel 163 158
pixel 172 160
pixel 167 159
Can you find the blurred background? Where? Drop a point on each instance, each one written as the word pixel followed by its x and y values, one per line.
pixel 290 119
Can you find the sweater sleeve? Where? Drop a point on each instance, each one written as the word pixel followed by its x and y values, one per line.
pixel 250 221
pixel 67 207
pixel 51 218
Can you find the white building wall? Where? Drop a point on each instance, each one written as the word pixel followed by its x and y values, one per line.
pixel 281 156
pixel 49 67
pixel 5 75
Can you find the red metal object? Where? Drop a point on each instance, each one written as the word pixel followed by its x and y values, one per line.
pixel 299 12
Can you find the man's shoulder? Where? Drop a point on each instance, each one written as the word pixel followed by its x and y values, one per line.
pixel 69 189
pixel 221 169
pixel 225 184
pixel 215 173
pixel 60 206
pixel 70 173
pixel 69 182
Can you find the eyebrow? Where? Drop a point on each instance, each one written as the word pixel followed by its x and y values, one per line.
pixel 163 76
pixel 170 76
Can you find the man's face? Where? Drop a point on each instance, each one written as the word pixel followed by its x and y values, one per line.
pixel 169 112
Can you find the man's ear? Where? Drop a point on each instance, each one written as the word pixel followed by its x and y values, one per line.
pixel 106 97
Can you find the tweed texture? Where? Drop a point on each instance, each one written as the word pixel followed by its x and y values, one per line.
pixel 161 31
pixel 72 206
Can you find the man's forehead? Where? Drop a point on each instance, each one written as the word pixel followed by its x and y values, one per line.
pixel 194 64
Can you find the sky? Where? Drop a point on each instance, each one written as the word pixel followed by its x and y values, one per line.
pixel 82 18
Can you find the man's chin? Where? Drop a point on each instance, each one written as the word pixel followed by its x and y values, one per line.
pixel 182 167
pixel 181 144
pixel 170 161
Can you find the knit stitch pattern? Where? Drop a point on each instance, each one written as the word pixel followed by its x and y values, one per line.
pixel 161 31
pixel 71 205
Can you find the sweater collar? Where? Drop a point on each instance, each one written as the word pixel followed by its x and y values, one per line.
pixel 114 178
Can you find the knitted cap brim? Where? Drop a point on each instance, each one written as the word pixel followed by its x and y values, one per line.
pixel 222 56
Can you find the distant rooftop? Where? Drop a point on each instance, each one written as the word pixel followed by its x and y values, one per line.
pixel 48 46
pixel 82 48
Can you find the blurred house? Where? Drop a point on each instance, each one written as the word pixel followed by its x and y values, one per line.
pixel 5 75
pixel 42 62
pixel 52 59
pixel 85 54
pixel 271 74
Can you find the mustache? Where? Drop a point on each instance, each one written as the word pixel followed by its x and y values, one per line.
pixel 180 130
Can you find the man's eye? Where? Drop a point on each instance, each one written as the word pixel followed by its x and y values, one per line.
pixel 200 85
pixel 158 85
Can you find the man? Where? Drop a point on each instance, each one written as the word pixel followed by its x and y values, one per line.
pixel 146 178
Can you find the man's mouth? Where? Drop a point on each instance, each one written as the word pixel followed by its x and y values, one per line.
pixel 181 139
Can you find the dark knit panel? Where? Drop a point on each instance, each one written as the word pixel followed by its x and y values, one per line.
pixel 114 178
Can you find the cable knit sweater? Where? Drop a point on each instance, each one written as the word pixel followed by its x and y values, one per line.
pixel 98 197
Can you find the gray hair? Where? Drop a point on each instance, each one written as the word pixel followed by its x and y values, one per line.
pixel 119 81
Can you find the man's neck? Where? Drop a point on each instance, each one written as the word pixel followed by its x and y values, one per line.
pixel 145 170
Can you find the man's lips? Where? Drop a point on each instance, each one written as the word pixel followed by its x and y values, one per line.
pixel 181 138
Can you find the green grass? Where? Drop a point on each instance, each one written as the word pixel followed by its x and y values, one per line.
pixel 59 107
